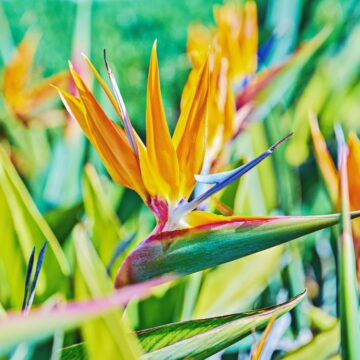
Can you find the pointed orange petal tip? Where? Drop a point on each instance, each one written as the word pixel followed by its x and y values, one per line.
pixel 352 138
pixel 155 44
pixel 120 102
pixel 59 90
pixel 88 61
pixel 153 56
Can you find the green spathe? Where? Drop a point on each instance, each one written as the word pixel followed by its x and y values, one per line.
pixel 194 249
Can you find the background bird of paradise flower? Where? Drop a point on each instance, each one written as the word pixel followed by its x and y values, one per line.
pixel 66 227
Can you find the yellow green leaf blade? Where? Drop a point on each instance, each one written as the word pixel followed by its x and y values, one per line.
pixel 237 283
pixel 103 220
pixel 26 228
pixel 12 264
pixel 25 204
pixel 322 346
pixel 42 323
pixel 325 342
pixel 198 339
pixel 110 335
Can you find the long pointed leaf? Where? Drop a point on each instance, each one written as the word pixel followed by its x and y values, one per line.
pixel 102 217
pixel 190 250
pixel 36 275
pixel 198 339
pixel 23 228
pixel 27 279
pixel 41 324
pixel 109 336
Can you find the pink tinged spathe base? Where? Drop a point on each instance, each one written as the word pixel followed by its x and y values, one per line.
pixel 194 249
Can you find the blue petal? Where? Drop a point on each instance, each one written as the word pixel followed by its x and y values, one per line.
pixel 215 178
pixel 265 49
pixel 227 179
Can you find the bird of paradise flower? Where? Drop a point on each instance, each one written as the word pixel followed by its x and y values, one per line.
pixel 164 174
pixel 164 171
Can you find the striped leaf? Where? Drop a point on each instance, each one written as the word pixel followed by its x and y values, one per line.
pixel 199 339
pixel 193 249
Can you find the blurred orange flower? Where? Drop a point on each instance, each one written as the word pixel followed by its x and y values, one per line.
pixel 331 177
pixel 23 98
pixel 232 47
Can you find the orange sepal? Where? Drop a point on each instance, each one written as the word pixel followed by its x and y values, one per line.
pixel 324 160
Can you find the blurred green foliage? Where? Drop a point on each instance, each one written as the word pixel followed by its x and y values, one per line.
pixel 127 30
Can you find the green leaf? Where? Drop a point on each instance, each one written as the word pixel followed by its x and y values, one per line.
pixel 2 311
pixel 63 220
pixel 12 266
pixel 237 283
pixel 321 347
pixel 25 228
pixel 191 339
pixel 332 75
pixel 190 250
pixel 326 341
pixel 74 352
pixel 103 220
pixel 109 336
pixel 42 323
pixel 198 339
